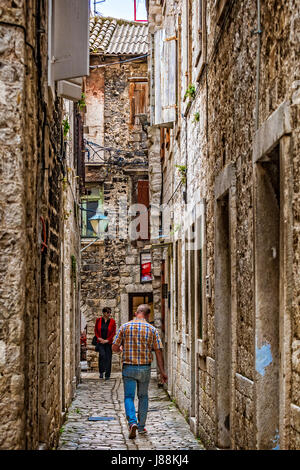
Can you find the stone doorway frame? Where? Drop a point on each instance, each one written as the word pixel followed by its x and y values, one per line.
pixel 275 131
pixel 137 294
pixel 225 360
pixel 132 289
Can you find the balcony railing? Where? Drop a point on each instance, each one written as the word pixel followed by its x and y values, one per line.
pixel 96 154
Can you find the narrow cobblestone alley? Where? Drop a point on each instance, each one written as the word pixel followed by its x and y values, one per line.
pixel 150 223
pixel 166 426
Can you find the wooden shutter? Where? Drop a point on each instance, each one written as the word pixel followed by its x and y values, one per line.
pixel 184 48
pixel 201 39
pixel 143 198
pixel 170 60
pixel 165 78
pixel 143 193
pixel 199 29
pixel 158 75
pixel 138 95
pixel 141 97
pixel 70 39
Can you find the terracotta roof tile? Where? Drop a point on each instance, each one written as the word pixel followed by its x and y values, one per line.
pixel 118 37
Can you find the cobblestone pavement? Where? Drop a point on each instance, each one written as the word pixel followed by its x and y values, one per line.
pixel 167 428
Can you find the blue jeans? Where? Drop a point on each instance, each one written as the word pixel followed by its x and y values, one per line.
pixel 136 376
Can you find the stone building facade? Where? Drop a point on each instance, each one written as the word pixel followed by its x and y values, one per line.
pixel 224 147
pixel 116 178
pixel 39 228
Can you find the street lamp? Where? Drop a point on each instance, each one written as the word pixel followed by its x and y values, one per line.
pixel 99 223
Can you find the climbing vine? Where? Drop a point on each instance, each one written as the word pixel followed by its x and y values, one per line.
pixel 182 172
pixel 190 93
pixel 66 127
pixel 196 117
pixel 81 102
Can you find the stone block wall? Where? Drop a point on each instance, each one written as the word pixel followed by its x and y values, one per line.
pixel 111 268
pixel 223 136
pixel 31 206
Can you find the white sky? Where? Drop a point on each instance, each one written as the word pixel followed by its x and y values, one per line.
pixel 121 9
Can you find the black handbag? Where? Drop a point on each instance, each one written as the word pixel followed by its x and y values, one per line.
pixel 96 344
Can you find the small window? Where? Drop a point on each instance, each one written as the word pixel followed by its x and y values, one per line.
pixel 92 204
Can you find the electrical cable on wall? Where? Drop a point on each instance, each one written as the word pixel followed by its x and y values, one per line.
pixel 119 62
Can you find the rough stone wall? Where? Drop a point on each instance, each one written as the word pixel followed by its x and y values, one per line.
pixel 280 82
pixel 12 290
pixel 31 189
pixel 111 269
pixel 224 135
pixel 71 260
pixel 230 133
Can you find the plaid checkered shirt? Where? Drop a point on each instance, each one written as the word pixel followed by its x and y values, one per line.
pixel 138 338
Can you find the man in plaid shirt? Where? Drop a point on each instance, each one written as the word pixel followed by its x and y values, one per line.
pixel 136 339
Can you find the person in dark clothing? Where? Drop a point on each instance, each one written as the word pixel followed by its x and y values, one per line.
pixel 105 330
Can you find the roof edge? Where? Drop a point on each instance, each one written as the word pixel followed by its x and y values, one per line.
pixel 121 21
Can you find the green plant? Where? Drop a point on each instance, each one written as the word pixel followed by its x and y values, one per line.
pixel 182 172
pixel 61 430
pixel 196 117
pixel 81 102
pixel 190 92
pixel 67 214
pixel 66 126
pixel 64 183
pixel 176 228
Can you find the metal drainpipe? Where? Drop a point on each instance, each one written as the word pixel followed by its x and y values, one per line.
pixel 258 32
pixel 92 243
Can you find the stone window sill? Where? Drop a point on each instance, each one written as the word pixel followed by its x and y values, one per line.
pixel 201 347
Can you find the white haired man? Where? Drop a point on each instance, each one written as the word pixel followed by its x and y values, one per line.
pixel 137 339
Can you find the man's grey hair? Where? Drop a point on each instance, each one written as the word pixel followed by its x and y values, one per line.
pixel 144 308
